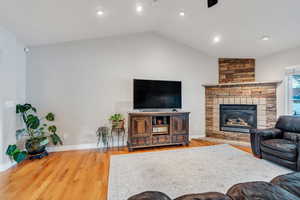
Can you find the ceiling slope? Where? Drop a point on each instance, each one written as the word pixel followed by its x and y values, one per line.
pixel 239 24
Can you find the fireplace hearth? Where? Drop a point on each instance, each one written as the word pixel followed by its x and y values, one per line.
pixel 238 117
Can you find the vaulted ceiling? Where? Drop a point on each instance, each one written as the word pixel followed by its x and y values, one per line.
pixel 240 24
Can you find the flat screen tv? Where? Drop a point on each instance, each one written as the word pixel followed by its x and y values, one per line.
pixel 154 94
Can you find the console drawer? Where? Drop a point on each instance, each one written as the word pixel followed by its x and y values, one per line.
pixel 180 138
pixel 161 139
pixel 140 141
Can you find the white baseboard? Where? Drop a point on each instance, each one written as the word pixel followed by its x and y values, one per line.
pixel 77 147
pixel 71 147
pixel 85 146
pixel 6 166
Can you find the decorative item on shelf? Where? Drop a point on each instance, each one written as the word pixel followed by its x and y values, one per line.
pixel 165 120
pixel 103 136
pixel 153 120
pixel 159 122
pixel 39 134
pixel 118 127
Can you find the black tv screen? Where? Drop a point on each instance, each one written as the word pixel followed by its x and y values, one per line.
pixel 152 94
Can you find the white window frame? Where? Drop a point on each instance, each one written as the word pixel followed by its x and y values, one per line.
pixel 289 71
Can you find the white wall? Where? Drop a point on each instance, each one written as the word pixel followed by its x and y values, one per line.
pixel 84 82
pixel 12 87
pixel 273 68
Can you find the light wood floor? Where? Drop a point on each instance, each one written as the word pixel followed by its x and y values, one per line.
pixel 67 175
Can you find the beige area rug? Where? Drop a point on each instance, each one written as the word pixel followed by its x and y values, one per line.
pixel 184 171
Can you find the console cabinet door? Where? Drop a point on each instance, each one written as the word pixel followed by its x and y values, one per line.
pixel 141 126
pixel 180 124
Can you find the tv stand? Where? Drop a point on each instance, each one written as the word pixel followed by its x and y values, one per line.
pixel 151 129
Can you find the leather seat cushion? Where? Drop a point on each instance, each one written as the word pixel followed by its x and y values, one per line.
pixel 150 196
pixel 204 196
pixel 284 149
pixel 289 182
pixel 259 191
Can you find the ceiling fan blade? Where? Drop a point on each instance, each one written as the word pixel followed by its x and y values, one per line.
pixel 211 3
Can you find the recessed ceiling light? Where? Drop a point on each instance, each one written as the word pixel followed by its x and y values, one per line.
pixel 139 9
pixel 216 39
pixel 265 38
pixel 100 12
pixel 182 14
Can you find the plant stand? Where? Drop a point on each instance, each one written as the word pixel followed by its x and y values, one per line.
pixel 120 135
pixel 103 138
pixel 38 156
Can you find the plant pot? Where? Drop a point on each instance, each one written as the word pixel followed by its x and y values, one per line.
pixel 36 145
pixel 118 124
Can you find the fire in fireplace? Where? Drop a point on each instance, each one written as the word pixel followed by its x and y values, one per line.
pixel 237 117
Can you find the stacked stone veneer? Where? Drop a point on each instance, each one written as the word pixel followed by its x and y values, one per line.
pixel 261 94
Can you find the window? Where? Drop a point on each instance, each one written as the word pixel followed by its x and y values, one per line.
pixel 293 91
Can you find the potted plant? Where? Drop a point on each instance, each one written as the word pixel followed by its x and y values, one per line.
pixel 117 120
pixel 39 133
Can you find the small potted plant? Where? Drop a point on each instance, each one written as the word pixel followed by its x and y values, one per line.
pixel 39 133
pixel 117 120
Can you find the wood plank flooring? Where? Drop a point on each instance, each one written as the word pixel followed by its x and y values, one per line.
pixel 68 175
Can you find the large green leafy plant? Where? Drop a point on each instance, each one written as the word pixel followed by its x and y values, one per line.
pixel 36 128
pixel 15 153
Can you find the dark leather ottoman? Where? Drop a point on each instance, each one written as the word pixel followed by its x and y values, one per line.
pixel 259 191
pixel 150 196
pixel 204 196
pixel 285 187
pixel 289 182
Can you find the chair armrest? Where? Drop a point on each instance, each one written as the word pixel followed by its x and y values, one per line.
pixel 258 135
pixel 265 134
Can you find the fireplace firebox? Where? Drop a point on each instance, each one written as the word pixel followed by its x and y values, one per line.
pixel 238 117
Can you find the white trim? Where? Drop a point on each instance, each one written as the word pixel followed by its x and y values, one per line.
pixel 289 71
pixel 292 70
pixel 7 165
pixel 76 147
pixel 71 147
pixel 195 135
pixel 286 92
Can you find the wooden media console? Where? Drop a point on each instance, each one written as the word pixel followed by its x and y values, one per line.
pixel 149 129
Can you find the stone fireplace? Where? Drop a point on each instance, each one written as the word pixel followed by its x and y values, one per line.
pixel 238 117
pixel 238 103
